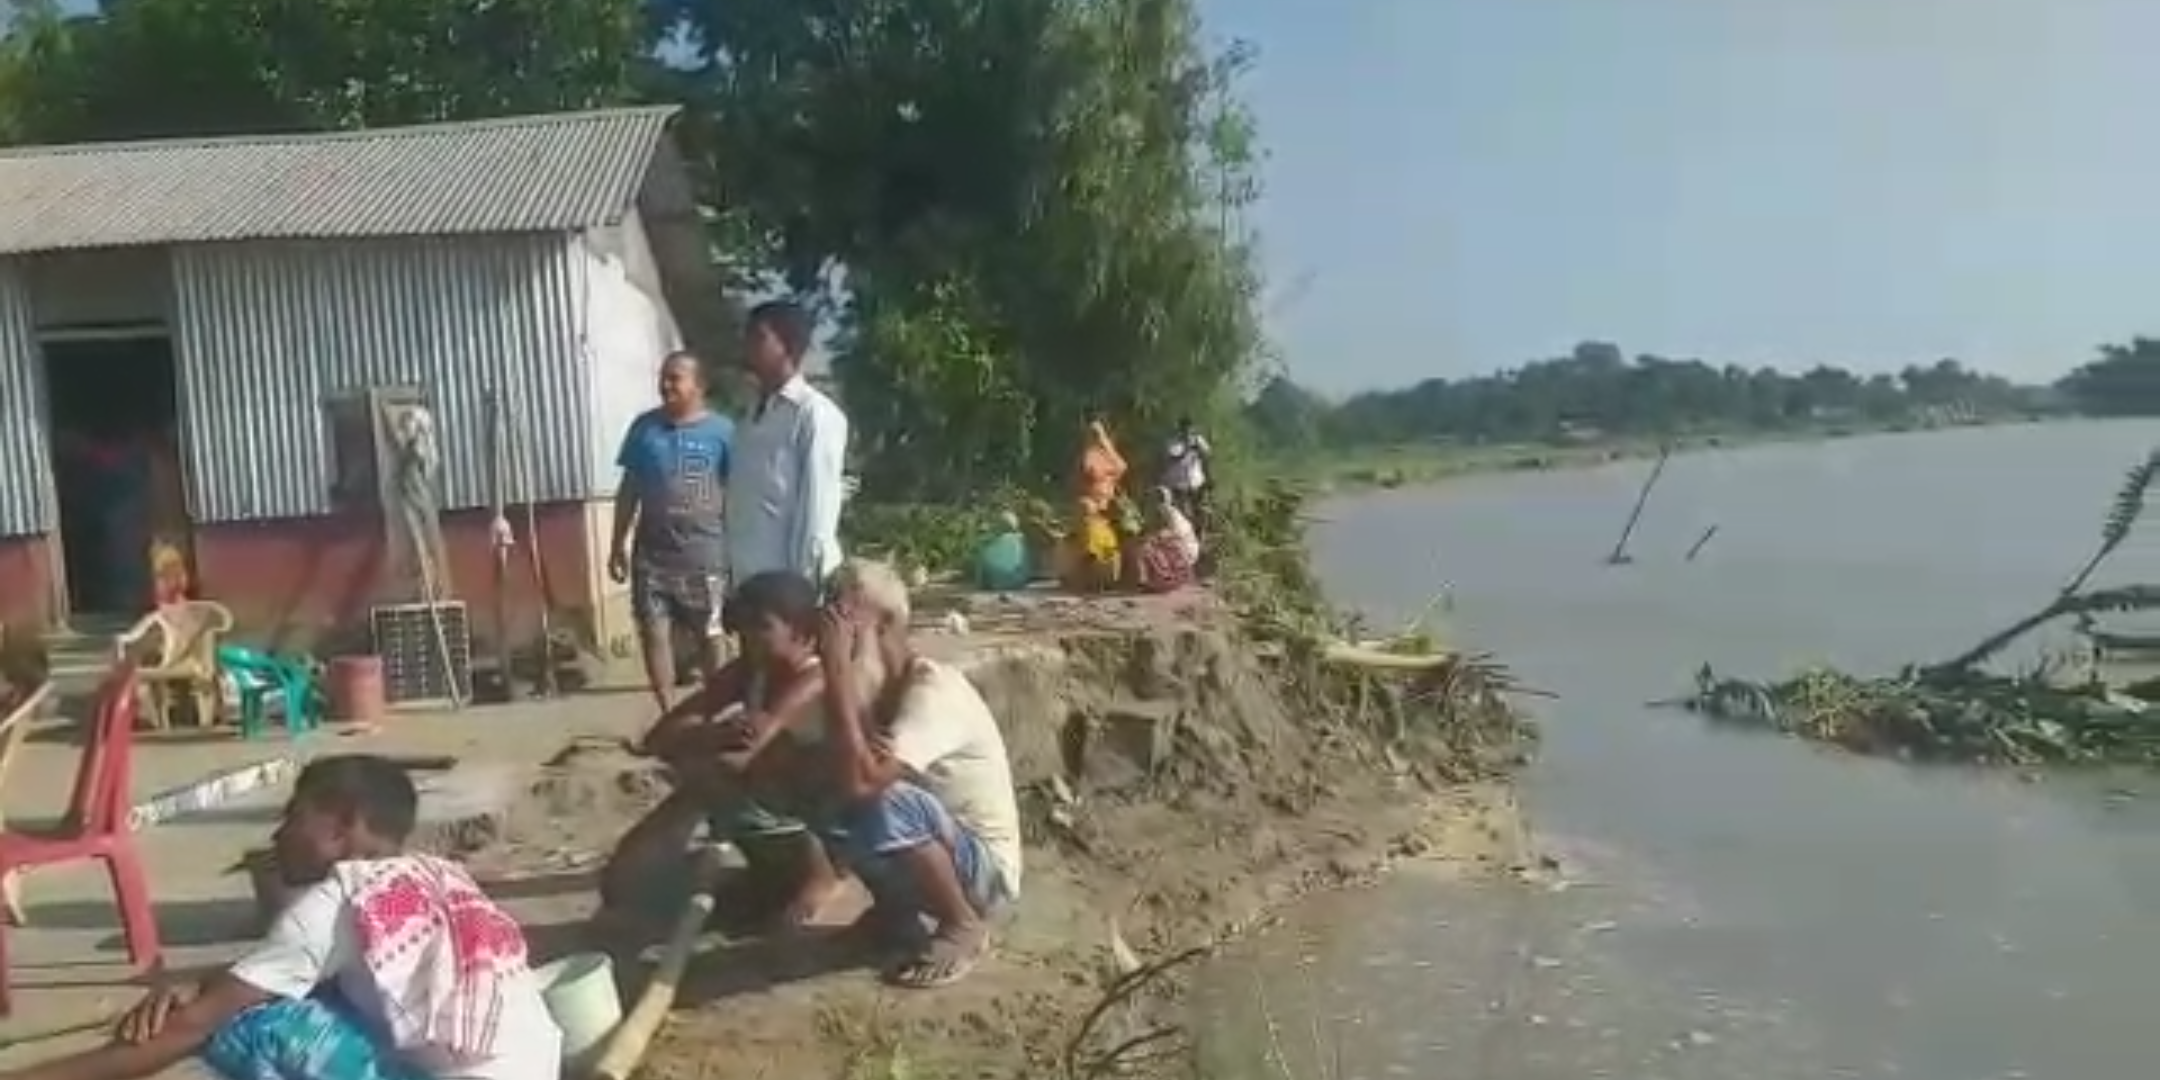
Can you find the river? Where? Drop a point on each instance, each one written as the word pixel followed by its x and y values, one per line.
pixel 1736 905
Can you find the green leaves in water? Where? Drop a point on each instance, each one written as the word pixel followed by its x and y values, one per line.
pixel 1941 714
pixel 1955 710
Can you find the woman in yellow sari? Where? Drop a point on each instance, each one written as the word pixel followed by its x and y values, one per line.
pixel 1102 469
pixel 1093 557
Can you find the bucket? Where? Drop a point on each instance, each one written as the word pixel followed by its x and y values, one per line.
pixel 355 689
pixel 579 990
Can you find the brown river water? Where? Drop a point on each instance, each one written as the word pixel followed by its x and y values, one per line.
pixel 1734 905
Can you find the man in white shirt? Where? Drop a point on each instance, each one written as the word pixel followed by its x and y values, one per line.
pixel 787 480
pixel 347 970
pixel 931 824
pixel 1185 471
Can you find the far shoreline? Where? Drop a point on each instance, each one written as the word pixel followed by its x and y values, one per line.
pixel 1414 466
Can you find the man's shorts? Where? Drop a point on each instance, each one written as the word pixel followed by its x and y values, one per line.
pixel 906 816
pixel 692 601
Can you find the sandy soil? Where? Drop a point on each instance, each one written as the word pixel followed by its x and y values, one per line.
pixel 1176 787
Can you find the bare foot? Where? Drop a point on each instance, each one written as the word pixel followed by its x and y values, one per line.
pixel 950 956
pixel 811 899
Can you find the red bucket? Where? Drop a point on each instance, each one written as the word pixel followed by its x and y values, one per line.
pixel 355 689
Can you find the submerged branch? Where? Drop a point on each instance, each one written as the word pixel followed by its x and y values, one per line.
pixel 1955 710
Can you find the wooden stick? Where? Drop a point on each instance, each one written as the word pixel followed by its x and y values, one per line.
pixel 1701 542
pixel 626 1046
pixel 1619 551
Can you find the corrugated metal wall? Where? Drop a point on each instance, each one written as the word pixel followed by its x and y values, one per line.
pixel 26 487
pixel 266 330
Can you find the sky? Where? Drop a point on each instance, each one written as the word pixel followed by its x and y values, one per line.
pixel 1456 186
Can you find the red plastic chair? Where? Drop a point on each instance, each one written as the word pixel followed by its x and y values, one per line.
pixel 96 826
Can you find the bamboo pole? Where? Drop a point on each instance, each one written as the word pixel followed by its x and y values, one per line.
pixel 626 1046
pixel 1619 554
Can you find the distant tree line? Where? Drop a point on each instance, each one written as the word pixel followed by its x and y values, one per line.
pixel 2124 381
pixel 1596 392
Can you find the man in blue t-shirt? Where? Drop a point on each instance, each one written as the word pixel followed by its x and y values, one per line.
pixel 675 468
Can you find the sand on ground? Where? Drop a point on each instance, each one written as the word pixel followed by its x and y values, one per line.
pixel 1175 787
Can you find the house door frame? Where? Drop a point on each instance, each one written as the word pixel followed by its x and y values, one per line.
pixel 56 582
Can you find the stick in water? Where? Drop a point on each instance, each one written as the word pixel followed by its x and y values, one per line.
pixel 1619 552
pixel 1701 542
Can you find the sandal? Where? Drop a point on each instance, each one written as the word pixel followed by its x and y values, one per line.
pixel 947 958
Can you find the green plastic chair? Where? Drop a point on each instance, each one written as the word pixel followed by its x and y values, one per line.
pixel 256 673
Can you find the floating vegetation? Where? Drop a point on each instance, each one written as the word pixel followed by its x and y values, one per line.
pixel 1958 711
pixel 1945 714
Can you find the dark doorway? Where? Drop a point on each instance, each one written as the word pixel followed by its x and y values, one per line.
pixel 113 400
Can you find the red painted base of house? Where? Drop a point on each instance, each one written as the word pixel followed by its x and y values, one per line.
pixel 294 582
pixel 26 568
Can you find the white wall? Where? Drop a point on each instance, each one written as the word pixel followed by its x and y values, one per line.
pixel 629 329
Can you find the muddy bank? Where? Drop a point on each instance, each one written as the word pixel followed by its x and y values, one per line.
pixel 1176 782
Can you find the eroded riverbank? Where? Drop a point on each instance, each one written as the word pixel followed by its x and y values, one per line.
pixel 1177 785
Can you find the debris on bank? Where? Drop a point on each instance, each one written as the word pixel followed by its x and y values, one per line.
pixel 2102 708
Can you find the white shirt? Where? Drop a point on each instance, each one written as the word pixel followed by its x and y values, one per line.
pixel 1187 470
pixel 315 942
pixel 944 733
pixel 786 482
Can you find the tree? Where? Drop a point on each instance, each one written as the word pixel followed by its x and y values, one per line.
pixel 1594 391
pixel 2124 381
pixel 1286 417
pixel 152 68
pixel 1017 214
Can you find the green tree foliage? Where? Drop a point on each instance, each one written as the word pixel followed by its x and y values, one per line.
pixel 1287 417
pixel 1596 392
pixel 152 68
pixel 2124 381
pixel 1018 214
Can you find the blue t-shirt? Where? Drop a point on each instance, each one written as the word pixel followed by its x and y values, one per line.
pixel 679 471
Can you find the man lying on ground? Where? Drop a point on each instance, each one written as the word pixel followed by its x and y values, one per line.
pixel 930 822
pixel 385 966
pixel 738 749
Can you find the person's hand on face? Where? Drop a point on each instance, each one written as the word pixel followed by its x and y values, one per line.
pixel 838 636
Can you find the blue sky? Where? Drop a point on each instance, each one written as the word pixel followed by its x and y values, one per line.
pixel 1462 185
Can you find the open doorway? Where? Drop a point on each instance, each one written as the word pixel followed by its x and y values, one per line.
pixel 113 400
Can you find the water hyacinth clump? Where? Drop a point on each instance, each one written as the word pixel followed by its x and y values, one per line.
pixel 1944 714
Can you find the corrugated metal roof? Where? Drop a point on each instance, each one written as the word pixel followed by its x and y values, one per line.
pixel 522 174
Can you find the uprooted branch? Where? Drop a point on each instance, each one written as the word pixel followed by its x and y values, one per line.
pixel 1957 710
pixel 1153 1045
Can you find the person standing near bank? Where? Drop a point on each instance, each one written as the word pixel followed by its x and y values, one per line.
pixel 669 541
pixel 789 479
pixel 1185 472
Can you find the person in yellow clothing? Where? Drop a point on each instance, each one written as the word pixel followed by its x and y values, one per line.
pixel 1093 552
